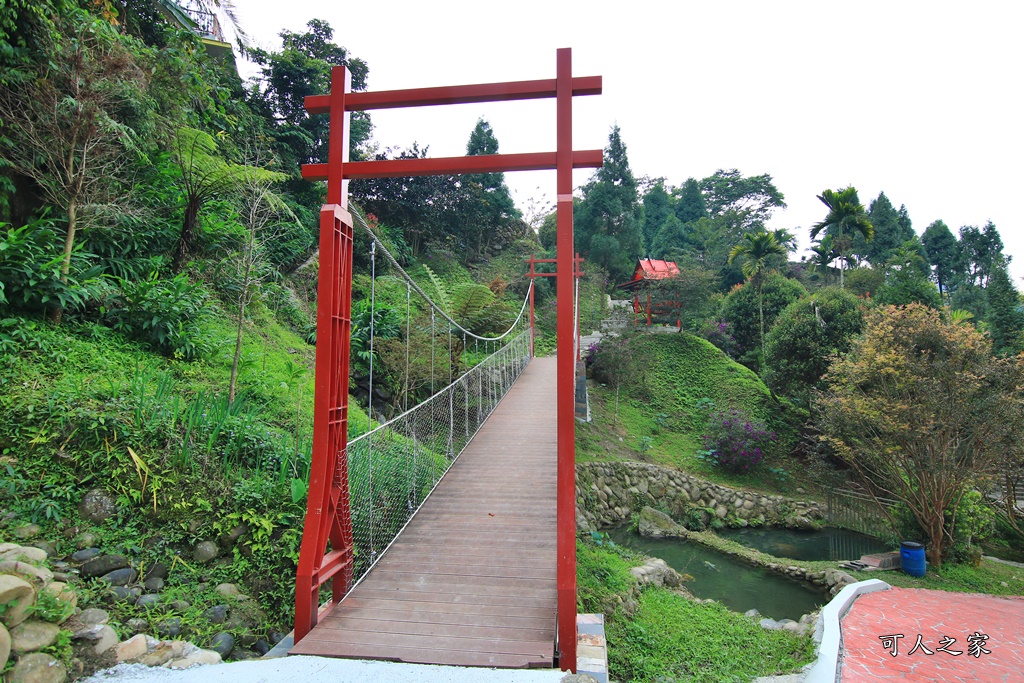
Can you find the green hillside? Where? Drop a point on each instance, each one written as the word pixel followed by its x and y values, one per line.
pixel 668 386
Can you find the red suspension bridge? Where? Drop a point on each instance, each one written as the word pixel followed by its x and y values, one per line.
pixel 448 534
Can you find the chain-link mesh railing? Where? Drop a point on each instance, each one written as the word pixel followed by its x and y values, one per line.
pixel 392 469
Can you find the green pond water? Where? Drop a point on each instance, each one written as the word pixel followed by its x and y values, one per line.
pixel 828 544
pixel 734 583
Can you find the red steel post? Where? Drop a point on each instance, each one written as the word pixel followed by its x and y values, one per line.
pixel 566 371
pixel 328 515
pixel 532 282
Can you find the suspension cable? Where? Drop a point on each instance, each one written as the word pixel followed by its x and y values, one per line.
pixel 361 220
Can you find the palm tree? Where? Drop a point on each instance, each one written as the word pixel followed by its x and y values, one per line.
pixel 824 255
pixel 755 250
pixel 845 215
pixel 785 238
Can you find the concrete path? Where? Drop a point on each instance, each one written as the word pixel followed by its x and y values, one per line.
pixel 881 631
pixel 321 669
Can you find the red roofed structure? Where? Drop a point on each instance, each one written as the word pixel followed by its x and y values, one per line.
pixel 648 270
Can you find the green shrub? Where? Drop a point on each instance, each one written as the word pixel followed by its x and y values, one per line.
pixel 30 265
pixel 166 314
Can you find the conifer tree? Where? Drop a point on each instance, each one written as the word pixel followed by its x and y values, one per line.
pixel 657 205
pixel 691 206
pixel 1006 320
pixel 608 225
pixel 943 254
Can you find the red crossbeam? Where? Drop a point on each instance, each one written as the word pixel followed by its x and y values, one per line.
pixel 455 94
pixel 484 163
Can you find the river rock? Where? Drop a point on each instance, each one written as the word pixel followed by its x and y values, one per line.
pixel 49 548
pixel 5 646
pixel 38 667
pixel 770 624
pixel 133 648
pixel 26 531
pixel 94 616
pixel 120 577
pixel 86 554
pixel 169 628
pixel 198 657
pixel 30 636
pixel 216 614
pixel 752 613
pixel 106 639
pixel 165 651
pixel 62 592
pixel 154 584
pixel 97 506
pixel 205 551
pixel 148 600
pixel 24 554
pixel 39 575
pixel 179 605
pixel 137 625
pixel 86 539
pixel 104 564
pixel 227 590
pixel 229 538
pixel 261 646
pixel 89 632
pixel 222 643
pixel 240 654
pixel 157 570
pixel 121 593
pixel 18 595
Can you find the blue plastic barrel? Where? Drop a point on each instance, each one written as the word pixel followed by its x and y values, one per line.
pixel 912 558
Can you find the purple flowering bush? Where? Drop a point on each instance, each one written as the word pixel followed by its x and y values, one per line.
pixel 735 442
pixel 719 333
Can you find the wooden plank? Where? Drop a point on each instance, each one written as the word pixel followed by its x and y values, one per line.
pixel 451 614
pixel 495 632
pixel 454 569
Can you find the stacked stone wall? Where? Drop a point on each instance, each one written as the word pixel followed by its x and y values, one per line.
pixel 609 493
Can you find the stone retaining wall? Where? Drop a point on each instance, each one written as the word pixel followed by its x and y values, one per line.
pixel 609 493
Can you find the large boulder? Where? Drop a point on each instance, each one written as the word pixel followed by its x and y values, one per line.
pixel 656 524
pixel 37 667
pixel 5 646
pixel 18 595
pixel 32 636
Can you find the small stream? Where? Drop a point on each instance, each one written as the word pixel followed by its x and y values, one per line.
pixel 734 583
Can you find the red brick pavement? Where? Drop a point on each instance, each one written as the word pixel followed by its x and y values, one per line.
pixel 933 615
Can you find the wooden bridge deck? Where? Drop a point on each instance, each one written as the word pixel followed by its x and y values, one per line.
pixel 471 580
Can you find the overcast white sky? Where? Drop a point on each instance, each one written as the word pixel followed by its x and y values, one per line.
pixel 919 99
